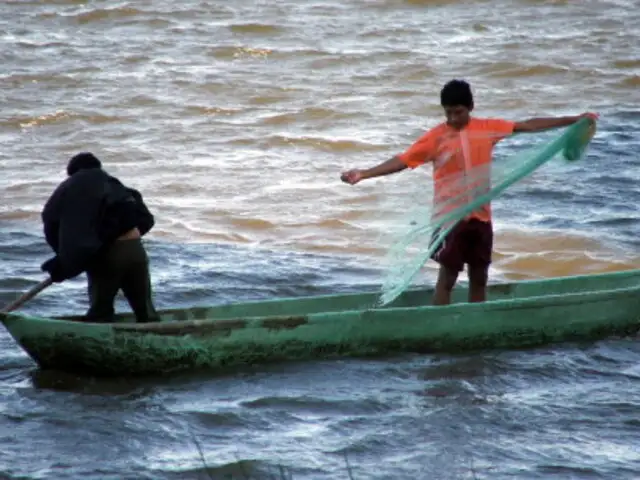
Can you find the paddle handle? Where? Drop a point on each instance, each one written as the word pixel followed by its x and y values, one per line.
pixel 28 295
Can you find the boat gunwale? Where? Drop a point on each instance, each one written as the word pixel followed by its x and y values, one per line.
pixel 515 304
pixel 413 291
pixel 293 321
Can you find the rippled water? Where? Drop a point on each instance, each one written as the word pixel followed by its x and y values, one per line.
pixel 235 120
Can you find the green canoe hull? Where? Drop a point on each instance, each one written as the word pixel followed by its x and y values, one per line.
pixel 516 315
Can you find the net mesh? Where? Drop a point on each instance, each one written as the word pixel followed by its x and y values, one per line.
pixel 458 196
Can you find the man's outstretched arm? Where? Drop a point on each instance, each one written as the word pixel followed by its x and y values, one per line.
pixel 548 123
pixel 392 165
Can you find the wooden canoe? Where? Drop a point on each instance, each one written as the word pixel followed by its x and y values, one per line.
pixel 516 315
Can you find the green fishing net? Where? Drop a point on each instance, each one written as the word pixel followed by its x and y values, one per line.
pixel 462 195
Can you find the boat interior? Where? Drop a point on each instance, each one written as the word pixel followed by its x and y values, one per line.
pixel 413 298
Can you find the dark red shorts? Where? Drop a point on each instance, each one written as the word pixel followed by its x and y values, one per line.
pixel 470 242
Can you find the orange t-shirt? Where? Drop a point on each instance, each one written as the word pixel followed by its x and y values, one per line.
pixel 461 161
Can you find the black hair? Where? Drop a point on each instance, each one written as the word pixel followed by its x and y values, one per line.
pixel 456 93
pixel 82 161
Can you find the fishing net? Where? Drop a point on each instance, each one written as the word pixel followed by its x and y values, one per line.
pixel 459 196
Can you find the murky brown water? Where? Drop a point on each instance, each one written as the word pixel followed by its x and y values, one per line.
pixel 235 120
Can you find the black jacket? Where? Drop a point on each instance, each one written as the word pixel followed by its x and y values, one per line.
pixel 84 215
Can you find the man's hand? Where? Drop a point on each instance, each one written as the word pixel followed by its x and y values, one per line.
pixel 352 176
pixel 54 269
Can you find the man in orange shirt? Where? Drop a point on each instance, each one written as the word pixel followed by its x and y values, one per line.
pixel 458 147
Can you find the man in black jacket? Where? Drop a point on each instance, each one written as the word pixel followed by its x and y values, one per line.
pixel 95 224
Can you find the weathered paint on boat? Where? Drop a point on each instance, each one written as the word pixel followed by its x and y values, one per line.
pixel 521 314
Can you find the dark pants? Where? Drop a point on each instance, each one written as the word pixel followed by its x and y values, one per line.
pixel 469 242
pixel 125 266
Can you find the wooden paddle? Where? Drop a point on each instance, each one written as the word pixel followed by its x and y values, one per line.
pixel 28 295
